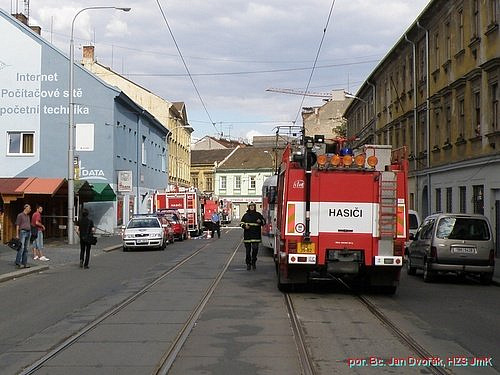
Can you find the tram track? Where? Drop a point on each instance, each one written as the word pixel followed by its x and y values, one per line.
pixel 167 360
pixel 305 357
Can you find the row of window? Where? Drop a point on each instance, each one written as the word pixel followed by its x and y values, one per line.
pixel 237 183
pixel 449 125
pixel 477 199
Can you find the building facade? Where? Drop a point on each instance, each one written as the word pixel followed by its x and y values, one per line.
pixel 112 133
pixel 172 116
pixel 436 92
pixel 241 176
pixel 203 166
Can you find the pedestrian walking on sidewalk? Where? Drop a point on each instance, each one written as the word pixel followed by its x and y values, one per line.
pixel 85 229
pixel 251 223
pixel 36 222
pixel 23 232
pixel 215 223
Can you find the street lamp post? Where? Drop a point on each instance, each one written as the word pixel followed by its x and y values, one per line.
pixel 71 130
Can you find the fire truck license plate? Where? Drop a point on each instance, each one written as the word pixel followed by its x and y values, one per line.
pixel 306 250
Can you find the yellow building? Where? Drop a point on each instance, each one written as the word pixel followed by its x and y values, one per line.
pixel 172 115
pixel 436 92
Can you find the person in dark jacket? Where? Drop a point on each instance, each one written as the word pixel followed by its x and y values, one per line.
pixel 85 229
pixel 251 223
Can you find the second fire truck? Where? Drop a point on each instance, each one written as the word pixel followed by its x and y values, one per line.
pixel 341 213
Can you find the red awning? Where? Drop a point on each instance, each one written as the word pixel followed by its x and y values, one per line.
pixel 29 185
pixel 47 186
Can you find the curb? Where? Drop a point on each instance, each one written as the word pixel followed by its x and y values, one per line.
pixel 112 248
pixel 22 272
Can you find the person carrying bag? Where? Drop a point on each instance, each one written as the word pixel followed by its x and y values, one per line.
pixel 85 229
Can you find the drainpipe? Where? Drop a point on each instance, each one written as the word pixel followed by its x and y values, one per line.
pixel 414 63
pixel 374 106
pixel 427 116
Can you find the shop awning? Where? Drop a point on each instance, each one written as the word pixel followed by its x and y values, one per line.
pixel 103 192
pixel 83 190
pixel 44 186
pixel 15 188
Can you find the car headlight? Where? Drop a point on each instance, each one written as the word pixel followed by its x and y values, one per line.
pixel 128 236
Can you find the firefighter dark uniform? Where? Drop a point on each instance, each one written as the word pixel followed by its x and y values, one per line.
pixel 251 223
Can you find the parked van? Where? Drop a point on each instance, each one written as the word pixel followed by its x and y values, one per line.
pixel 457 243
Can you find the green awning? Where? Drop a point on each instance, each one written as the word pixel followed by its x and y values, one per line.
pixel 83 190
pixel 102 192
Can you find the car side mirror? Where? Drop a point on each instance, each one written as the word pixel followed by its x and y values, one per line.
pixel 123 226
pixel 412 236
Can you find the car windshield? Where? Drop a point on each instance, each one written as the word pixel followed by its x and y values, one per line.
pixel 144 223
pixel 457 228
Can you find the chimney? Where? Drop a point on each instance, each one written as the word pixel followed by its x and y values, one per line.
pixel 24 20
pixel 36 29
pixel 21 18
pixel 88 54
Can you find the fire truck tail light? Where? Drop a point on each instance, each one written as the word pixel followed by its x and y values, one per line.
pixel 372 161
pixel 322 159
pixel 347 160
pixel 359 160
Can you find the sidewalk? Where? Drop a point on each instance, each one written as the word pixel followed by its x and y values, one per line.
pixel 57 250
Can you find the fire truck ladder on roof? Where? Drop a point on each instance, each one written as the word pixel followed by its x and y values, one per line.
pixel 388 205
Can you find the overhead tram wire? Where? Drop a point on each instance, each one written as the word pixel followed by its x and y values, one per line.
pixel 185 65
pixel 250 71
pixel 315 61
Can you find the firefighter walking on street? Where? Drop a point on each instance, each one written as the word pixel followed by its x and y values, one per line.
pixel 251 223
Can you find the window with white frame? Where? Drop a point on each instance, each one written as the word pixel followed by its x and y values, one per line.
pixel 143 151
pixel 252 182
pixel 475 19
pixel 163 160
pixel 223 182
pixel 20 143
pixel 462 199
pixel 477 113
pixel 438 200
pixel 460 35
pixel 494 106
pixel 237 182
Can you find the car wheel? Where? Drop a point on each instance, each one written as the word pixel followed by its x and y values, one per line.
pixel 410 270
pixel 428 273
pixel 486 278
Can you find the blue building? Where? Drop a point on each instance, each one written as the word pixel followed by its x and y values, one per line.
pixel 120 148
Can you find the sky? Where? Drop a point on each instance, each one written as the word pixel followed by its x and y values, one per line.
pixel 233 50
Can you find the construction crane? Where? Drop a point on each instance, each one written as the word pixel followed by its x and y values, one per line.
pixel 335 95
pixel 299 92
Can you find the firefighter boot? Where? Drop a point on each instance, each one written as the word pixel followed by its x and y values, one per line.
pixel 254 267
pixel 248 267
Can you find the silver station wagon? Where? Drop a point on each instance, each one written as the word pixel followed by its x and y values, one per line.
pixel 457 243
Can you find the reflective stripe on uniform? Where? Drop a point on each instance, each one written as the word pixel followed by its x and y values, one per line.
pixel 251 240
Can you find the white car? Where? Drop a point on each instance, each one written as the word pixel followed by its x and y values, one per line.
pixel 144 232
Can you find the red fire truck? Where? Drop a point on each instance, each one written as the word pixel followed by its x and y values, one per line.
pixel 226 210
pixel 188 204
pixel 341 213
